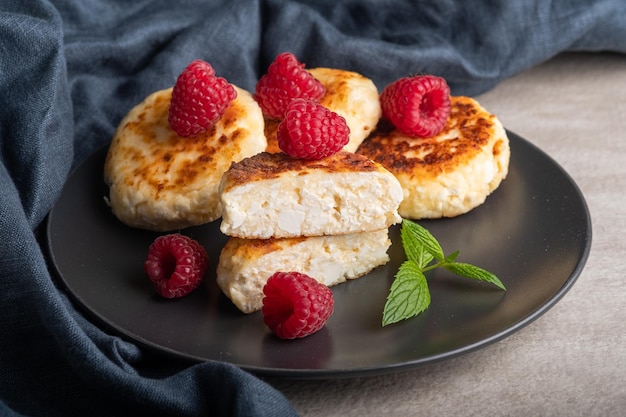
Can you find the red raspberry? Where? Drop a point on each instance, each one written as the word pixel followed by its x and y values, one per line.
pixel 295 305
pixel 176 265
pixel 199 99
pixel 285 80
pixel 418 105
pixel 311 131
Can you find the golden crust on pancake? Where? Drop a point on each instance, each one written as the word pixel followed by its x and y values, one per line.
pixel 274 195
pixel 349 94
pixel 265 165
pixel 448 174
pixel 245 265
pixel 160 181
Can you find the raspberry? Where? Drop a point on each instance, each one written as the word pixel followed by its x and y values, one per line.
pixel 295 305
pixel 175 264
pixel 418 105
pixel 285 80
pixel 199 99
pixel 311 131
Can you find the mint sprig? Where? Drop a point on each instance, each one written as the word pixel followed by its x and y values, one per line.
pixel 409 294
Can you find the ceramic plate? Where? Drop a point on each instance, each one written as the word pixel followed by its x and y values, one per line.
pixel 534 232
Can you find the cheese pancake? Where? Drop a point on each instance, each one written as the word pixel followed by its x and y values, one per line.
pixel 160 181
pixel 274 195
pixel 448 174
pixel 245 265
pixel 349 94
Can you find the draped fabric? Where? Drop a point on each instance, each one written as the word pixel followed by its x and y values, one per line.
pixel 71 69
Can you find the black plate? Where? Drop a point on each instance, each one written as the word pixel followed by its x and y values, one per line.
pixel 534 232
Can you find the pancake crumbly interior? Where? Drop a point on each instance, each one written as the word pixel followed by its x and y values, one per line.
pixel 274 195
pixel 245 265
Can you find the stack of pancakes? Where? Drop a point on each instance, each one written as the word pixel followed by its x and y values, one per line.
pixel 327 218
pixel 163 182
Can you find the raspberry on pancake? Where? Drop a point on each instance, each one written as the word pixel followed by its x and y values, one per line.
pixel 350 95
pixel 450 173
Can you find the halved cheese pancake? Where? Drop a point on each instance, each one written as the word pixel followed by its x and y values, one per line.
pixel 246 264
pixel 348 94
pixel 274 195
pixel 161 181
pixel 450 173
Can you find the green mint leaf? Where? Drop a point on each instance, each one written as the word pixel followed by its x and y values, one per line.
pixel 474 272
pixel 408 296
pixel 414 248
pixel 451 258
pixel 431 245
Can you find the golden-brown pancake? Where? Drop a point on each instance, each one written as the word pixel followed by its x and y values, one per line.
pixel 161 181
pixel 448 174
pixel 349 94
